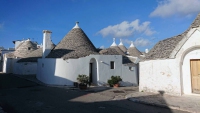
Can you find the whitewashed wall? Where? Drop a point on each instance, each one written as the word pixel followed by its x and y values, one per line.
pixel 160 75
pixel 8 65
pixel 25 68
pixel 1 58
pixel 60 72
pixel 171 75
pixel 190 50
pixel 130 76
pixel 186 72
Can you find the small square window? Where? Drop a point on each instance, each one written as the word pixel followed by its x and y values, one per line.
pixel 112 65
pixel 29 48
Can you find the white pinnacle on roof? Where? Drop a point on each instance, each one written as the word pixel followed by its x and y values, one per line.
pixel 76 26
pixel 132 44
pixel 114 44
pixel 28 39
pixel 120 42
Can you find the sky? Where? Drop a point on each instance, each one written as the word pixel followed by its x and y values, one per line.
pixel 145 22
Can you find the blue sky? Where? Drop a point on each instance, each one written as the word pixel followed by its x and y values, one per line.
pixel 145 22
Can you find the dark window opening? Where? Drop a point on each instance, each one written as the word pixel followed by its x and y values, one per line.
pixel 29 48
pixel 112 65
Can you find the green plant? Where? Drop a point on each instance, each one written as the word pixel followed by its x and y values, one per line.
pixel 83 79
pixel 114 80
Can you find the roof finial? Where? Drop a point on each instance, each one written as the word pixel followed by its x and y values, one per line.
pixel 76 26
pixel 114 44
pixel 120 42
pixel 132 44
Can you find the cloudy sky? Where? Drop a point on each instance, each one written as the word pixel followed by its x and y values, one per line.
pixel 145 22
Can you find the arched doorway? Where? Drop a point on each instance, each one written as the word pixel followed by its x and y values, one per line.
pixel 93 71
pixel 190 70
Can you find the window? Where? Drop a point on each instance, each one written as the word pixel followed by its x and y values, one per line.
pixel 112 65
pixel 29 48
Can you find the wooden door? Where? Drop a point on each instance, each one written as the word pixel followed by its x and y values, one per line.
pixel 195 75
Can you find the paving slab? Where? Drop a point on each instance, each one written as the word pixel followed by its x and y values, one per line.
pixel 190 103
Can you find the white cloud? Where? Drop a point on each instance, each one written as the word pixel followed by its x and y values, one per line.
pixel 126 41
pixel 102 47
pixel 168 8
pixel 126 29
pixel 139 42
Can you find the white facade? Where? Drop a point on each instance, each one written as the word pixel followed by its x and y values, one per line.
pixel 172 75
pixel 65 72
pixel 8 65
pixel 25 68
pixel 1 57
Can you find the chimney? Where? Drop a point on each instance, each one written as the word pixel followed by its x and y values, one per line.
pixel 46 43
pixel 146 50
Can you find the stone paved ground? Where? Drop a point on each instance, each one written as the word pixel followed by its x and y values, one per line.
pixel 1 110
pixel 189 103
pixel 19 95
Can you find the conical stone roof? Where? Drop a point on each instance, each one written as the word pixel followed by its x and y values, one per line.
pixel 75 44
pixel 34 55
pixel 25 48
pixel 120 52
pixel 133 51
pixel 164 48
pixel 122 47
pixel 114 46
pixel 109 51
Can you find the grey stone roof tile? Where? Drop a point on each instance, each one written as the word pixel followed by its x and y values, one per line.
pixel 33 56
pixel 10 55
pixel 118 50
pixel 109 51
pixel 133 51
pixel 164 48
pixel 75 44
pixel 25 48
pixel 123 48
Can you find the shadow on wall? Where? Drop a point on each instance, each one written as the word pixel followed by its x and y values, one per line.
pixel 52 99
pixel 50 73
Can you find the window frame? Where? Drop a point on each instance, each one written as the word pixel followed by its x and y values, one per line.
pixel 112 65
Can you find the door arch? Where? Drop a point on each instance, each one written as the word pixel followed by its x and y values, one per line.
pixel 93 71
pixel 189 55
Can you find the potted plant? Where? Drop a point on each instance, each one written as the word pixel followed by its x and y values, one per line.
pixel 114 81
pixel 83 80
